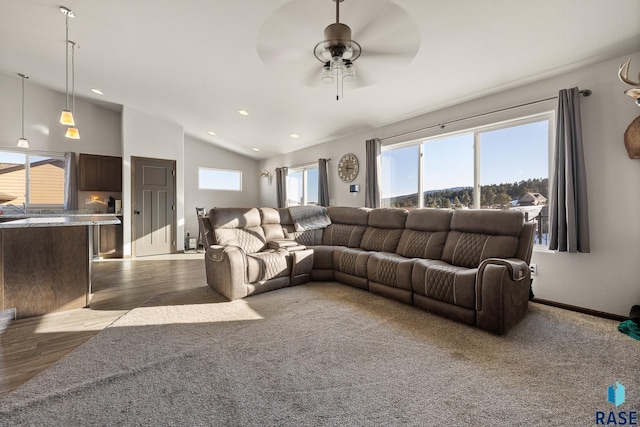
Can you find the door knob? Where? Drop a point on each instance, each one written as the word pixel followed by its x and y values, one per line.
pixel 137 212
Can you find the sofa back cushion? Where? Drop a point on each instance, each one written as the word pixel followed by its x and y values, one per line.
pixel 347 226
pixel 238 227
pixel 385 226
pixel 270 220
pixel 305 237
pixel 478 234
pixel 425 233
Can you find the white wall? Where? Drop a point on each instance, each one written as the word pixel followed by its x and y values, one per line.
pixel 100 129
pixel 147 136
pixel 198 153
pixel 608 278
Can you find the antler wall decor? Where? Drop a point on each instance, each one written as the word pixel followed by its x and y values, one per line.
pixel 632 134
pixel 265 174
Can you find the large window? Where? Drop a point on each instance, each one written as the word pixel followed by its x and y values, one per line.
pixel 500 166
pixel 32 179
pixel 302 186
pixel 219 179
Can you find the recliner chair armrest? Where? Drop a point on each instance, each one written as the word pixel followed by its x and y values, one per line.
pixel 218 253
pixel 502 293
pixel 226 268
pixel 517 268
pixel 289 245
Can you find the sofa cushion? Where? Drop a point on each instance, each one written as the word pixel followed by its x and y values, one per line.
pixel 352 261
pixel 384 229
pixel 238 227
pixel 347 226
pixel 270 221
pixel 480 234
pixel 267 265
pixel 425 233
pixel 447 283
pixel 390 269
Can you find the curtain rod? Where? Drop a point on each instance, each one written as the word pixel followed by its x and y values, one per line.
pixel 301 165
pixel 585 92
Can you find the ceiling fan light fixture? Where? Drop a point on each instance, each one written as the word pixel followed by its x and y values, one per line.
pixel 327 73
pixel 337 52
pixel 349 72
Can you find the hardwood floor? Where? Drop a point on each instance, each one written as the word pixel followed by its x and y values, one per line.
pixel 28 346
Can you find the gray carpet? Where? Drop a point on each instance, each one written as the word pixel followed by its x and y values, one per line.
pixel 329 354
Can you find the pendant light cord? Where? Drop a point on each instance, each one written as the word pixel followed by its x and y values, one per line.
pixel 66 60
pixel 23 77
pixel 73 78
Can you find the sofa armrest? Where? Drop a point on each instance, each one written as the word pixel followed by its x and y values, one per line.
pixel 517 268
pixel 226 269
pixel 502 293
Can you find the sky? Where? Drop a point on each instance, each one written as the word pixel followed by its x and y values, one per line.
pixel 506 155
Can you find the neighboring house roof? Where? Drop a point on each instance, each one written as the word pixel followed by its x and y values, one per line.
pixel 532 199
pixel 12 167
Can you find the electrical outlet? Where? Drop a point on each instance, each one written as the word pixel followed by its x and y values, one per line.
pixel 534 269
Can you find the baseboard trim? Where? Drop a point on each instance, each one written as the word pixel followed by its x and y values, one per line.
pixel 6 316
pixel 581 309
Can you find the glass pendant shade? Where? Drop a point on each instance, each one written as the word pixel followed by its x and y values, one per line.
pixel 23 143
pixel 66 118
pixel 72 133
pixel 349 73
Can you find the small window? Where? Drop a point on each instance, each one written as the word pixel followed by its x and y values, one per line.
pixel 219 179
pixel 302 186
pixel 32 179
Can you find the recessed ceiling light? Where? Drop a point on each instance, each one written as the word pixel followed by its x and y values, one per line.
pixel 294 135
pixel 255 149
pixel 211 133
pixel 98 91
pixel 243 112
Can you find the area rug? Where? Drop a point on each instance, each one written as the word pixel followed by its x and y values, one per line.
pixel 328 354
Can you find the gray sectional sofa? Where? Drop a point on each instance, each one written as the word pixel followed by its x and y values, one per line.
pixel 469 265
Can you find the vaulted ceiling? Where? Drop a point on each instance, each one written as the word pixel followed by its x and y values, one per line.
pixel 198 62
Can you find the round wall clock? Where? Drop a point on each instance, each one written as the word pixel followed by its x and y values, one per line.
pixel 348 167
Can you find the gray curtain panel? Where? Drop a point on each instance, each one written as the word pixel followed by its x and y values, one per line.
pixel 281 187
pixel 372 177
pixel 568 210
pixel 323 182
pixel 70 181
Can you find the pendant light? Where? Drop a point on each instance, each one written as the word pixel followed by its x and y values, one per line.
pixel 72 131
pixel 23 142
pixel 66 117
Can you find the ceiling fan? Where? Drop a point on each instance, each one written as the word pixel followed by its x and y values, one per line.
pixel 338 53
pixel 387 41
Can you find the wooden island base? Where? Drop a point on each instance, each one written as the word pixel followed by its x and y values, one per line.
pixel 44 269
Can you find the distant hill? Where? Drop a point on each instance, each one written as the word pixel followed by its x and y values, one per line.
pixel 490 195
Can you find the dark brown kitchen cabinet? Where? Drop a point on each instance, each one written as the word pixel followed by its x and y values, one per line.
pixel 100 173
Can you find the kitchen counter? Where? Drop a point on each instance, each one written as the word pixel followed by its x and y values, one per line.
pixel 46 262
pixel 13 214
pixel 61 221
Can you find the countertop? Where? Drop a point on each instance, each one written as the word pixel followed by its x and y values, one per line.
pixel 42 213
pixel 61 221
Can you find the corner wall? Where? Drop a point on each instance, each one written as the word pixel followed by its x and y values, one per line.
pixel 198 153
pixel 146 136
pixel 608 278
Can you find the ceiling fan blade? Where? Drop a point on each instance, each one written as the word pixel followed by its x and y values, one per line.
pixel 271 53
pixel 402 55
pixel 311 76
